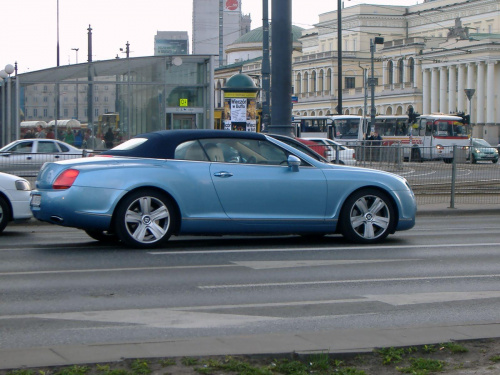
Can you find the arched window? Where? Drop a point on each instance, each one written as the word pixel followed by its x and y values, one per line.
pixel 298 86
pixel 304 82
pixel 321 79
pixel 390 69
pixel 313 81
pixel 329 80
pixel 411 70
pixel 401 78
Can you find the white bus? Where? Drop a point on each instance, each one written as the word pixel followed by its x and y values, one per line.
pixel 430 137
pixel 341 128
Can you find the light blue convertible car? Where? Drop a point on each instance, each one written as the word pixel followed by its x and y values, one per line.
pixel 217 182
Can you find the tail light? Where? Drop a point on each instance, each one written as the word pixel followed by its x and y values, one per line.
pixel 66 179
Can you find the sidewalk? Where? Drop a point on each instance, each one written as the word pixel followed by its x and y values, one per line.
pixel 335 341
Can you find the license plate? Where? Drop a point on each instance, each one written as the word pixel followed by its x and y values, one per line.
pixel 36 199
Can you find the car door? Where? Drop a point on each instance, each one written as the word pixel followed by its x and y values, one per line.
pixel 259 185
pixel 46 151
pixel 17 159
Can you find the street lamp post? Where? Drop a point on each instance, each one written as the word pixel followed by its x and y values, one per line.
pixel 76 50
pixel 3 77
pixel 373 42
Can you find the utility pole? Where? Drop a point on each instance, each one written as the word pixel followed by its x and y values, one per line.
pixel 266 68
pixel 373 42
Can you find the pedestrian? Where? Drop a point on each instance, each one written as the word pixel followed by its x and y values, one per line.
pixel 109 138
pixel 40 132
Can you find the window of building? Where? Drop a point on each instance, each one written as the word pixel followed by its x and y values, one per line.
pixel 96 112
pixel 35 112
pixel 390 71
pixel 350 82
pixel 65 112
pixel 45 112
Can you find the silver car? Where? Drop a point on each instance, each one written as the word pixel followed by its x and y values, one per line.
pixel 25 157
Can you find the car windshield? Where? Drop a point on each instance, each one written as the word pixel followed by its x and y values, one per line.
pixel 481 143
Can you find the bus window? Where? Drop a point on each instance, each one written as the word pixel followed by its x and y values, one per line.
pixel 401 128
pixel 347 128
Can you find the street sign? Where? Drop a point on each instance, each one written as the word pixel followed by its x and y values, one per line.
pixel 295 99
pixel 469 93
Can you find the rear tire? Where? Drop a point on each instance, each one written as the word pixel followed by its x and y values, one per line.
pixel 5 213
pixel 145 219
pixel 367 217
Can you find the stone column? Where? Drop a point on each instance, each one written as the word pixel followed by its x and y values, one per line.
pixel 471 76
pixel 490 93
pixel 452 89
pixel 434 90
pixel 462 98
pixel 443 89
pixel 426 92
pixel 481 92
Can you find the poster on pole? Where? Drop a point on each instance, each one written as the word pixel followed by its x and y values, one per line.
pixel 238 110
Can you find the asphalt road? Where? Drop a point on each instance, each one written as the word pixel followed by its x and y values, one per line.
pixel 59 287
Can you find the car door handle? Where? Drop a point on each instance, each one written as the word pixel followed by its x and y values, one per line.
pixel 28 158
pixel 56 156
pixel 223 174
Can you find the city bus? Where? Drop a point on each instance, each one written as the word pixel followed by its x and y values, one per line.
pixel 341 128
pixel 430 137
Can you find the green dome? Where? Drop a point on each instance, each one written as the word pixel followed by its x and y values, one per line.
pixel 256 35
pixel 240 82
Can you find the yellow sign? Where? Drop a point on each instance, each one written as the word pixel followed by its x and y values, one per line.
pixel 240 94
pixel 183 102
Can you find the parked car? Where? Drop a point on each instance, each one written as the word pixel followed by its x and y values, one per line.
pixel 213 182
pixel 483 151
pixel 25 157
pixel 14 199
pixel 308 147
pixel 346 155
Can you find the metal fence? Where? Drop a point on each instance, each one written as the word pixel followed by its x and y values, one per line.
pixel 449 177
pixel 433 181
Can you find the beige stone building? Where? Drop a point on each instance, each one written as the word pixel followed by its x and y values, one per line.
pixel 432 53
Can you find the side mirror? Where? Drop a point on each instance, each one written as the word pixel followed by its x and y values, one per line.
pixel 294 163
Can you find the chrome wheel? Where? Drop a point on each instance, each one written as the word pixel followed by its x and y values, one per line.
pixel 144 219
pixel 367 217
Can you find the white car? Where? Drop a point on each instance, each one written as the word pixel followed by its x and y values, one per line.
pixel 346 155
pixel 14 199
pixel 25 157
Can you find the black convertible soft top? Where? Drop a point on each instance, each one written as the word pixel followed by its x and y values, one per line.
pixel 162 144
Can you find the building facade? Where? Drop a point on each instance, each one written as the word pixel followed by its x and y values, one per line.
pixel 432 53
pixel 210 35
pixel 171 43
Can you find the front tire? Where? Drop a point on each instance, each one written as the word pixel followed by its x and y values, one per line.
pixel 145 219
pixel 4 213
pixel 367 217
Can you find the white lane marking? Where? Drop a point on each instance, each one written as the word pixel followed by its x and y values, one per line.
pixel 250 264
pixel 160 318
pixel 14 273
pixel 420 298
pixel 354 281
pixel 193 317
pixel 262 265
pixel 330 248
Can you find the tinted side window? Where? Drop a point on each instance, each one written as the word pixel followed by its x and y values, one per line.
pixel 190 150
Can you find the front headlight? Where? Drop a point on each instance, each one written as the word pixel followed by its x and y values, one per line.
pixel 23 185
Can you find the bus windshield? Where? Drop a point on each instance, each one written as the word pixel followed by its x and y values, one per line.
pixel 448 128
pixel 347 128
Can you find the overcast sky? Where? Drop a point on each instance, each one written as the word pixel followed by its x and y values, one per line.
pixel 28 28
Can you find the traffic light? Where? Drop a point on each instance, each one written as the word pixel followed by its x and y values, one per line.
pixel 465 117
pixel 412 115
